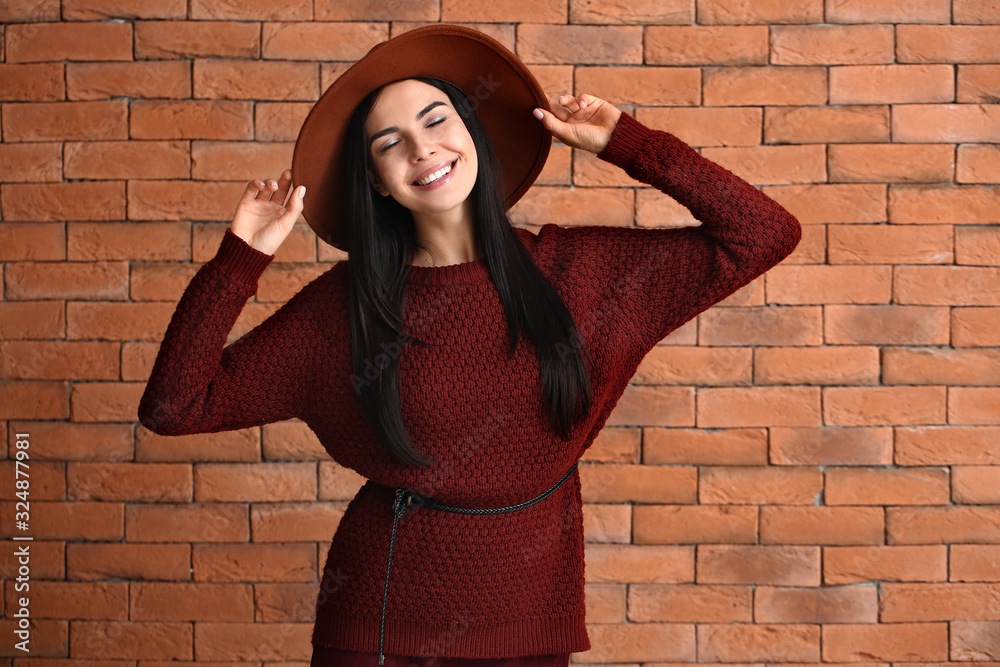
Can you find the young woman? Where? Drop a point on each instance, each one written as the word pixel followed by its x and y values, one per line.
pixel 460 364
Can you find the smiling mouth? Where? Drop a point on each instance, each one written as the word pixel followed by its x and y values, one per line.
pixel 430 178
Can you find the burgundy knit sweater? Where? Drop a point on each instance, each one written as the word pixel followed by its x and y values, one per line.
pixel 469 586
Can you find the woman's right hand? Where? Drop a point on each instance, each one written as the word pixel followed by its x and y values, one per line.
pixel 263 218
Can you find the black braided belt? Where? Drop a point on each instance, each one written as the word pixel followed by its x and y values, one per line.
pixel 406 498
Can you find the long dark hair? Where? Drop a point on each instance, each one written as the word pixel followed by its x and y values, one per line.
pixel 382 242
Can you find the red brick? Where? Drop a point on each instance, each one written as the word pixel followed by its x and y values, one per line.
pixel 974 640
pixel 579 44
pixel 940 366
pixel 98 200
pixel 772 165
pixel 47 480
pixel 254 562
pixel 849 564
pixel 924 642
pixel 214 522
pixel 757 485
pixel 978 164
pixel 946 44
pixel 212 161
pixel 183 200
pixel 251 10
pixel 890 244
pixel 761 326
pixel 754 86
pixel 127 159
pixel 888 11
pixel 883 406
pixel 257 482
pixel 831 45
pixel 243 445
pixel 545 11
pixel 29 10
pixel 976 11
pixel 943 525
pixel 647 12
pixel 758 406
pixel 41 82
pixel 59 360
pixel 319 41
pixel 758 564
pixel 874 486
pixel 840 604
pixel 131 640
pixel 151 482
pixel 72 520
pixel 590 171
pixel 706 127
pixel 225 642
pixel 641 86
pixel 817 125
pixel 821 525
pixel 95 81
pixel 47 561
pixel 565 206
pixel 90 10
pixel 278 603
pixel 191 602
pixel 879 163
pixel 370 10
pixel 947 285
pixel 117 321
pixel 255 80
pixel 974 562
pixel 977 246
pixel 654 406
pixel 128 561
pixel 975 327
pixel 59 121
pixel 946 122
pixel 67 280
pixel 976 484
pixel 68 41
pixel 63 441
pixel 39 319
pixel 105 401
pixel 695 365
pixel 679 524
pixel 279 121
pixel 34 399
pixel 816 365
pixel 739 446
pixel 978 83
pixel 892 84
pixel 758 642
pixel 880 325
pixel 607 523
pixel 703 45
pixel 194 119
pixel 72 600
pixel 818 284
pixel 958 204
pixel 295 522
pixel 833 203
pixel 974 405
pixel 744 12
pixel 615 445
pixel 194 39
pixel 638 483
pixel 686 603
pixel 644 564
pixel 831 446
pixel 947 445
pixel 811 248
pixel 30 162
pixel 30 241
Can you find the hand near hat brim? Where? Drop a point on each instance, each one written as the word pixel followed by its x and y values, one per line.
pixel 263 218
pixel 584 122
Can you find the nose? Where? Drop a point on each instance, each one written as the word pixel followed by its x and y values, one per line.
pixel 422 150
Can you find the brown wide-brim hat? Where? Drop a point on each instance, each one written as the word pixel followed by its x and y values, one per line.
pixel 501 89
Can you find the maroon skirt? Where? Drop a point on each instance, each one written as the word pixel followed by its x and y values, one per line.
pixel 334 657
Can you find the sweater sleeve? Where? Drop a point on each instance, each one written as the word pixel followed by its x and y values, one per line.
pixel 664 277
pixel 198 384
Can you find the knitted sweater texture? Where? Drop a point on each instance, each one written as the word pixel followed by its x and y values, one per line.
pixel 463 585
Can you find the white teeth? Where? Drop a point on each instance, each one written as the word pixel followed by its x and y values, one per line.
pixel 436 175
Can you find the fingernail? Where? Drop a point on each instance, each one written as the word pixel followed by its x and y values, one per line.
pixel 302 192
pixel 537 113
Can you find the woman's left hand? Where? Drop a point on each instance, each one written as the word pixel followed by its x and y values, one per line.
pixel 580 122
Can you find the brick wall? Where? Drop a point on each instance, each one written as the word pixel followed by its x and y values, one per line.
pixel 807 473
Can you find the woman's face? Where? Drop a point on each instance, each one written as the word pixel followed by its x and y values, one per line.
pixel 421 152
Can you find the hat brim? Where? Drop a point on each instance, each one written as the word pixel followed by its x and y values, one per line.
pixel 502 90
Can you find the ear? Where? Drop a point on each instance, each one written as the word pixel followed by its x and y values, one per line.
pixel 377 183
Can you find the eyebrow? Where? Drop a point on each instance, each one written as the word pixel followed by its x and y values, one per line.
pixel 390 130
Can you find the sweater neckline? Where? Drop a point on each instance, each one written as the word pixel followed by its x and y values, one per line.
pixel 464 272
